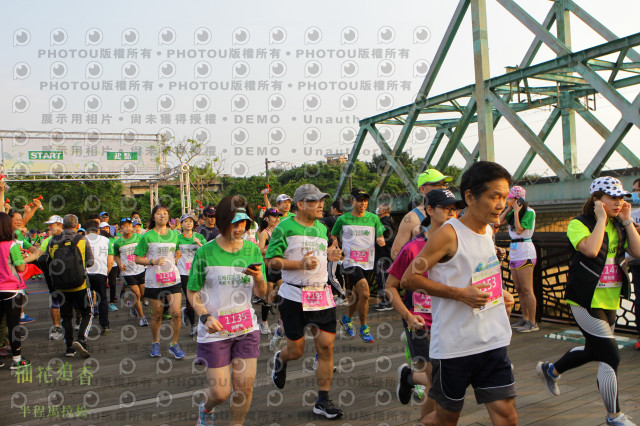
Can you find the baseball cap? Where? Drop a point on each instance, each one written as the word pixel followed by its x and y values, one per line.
pixel 209 211
pixel 187 216
pixel 517 192
pixel 283 197
pixel 104 214
pixel 54 219
pixel 308 192
pixel 442 197
pixel 272 212
pixel 136 222
pixel 359 194
pixel 432 176
pixel 104 224
pixel 610 186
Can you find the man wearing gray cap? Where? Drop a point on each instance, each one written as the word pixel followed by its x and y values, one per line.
pixel 299 247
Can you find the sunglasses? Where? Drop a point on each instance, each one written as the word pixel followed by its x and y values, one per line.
pixel 126 219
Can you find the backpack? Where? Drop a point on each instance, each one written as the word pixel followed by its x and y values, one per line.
pixel 66 267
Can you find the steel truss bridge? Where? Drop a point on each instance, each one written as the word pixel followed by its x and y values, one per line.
pixel 568 84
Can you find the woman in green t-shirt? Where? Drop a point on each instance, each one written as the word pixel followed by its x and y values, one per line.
pixel 597 279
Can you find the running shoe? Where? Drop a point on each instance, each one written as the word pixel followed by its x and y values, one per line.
pixel 70 352
pixel 132 312
pixel 155 350
pixel 26 319
pixel 381 307
pixel 327 409
pixel 144 322
pixel 205 418
pixel 528 327
pixel 5 352
pixel 407 352
pixel 166 316
pixel 550 382
pixel 279 373
pixel 81 348
pixel 176 351
pixel 365 334
pixel 56 333
pixel 145 301
pixel 404 389
pixel 347 325
pixel 19 364
pixel 264 327
pixel 519 323
pixel 620 420
pixel 638 345
pixel 106 331
pixel 194 330
pixel 274 344
pixel 112 307
pixel 183 315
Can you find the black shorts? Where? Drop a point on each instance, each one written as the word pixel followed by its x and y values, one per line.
pixel 134 279
pixel 294 319
pixel 418 343
pixel 488 372
pixel 273 277
pixel 352 275
pixel 161 293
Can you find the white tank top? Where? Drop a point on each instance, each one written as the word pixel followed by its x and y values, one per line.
pixel 456 330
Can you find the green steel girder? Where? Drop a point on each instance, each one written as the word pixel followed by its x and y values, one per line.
pixel 542 135
pixel 454 141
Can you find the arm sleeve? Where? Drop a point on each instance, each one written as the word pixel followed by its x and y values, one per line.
pixel 577 231
pixel 337 227
pixel 14 254
pixel 197 274
pixel 277 244
pixel 111 244
pixel 528 220
pixel 116 248
pixel 380 228
pixel 142 247
pixel 201 238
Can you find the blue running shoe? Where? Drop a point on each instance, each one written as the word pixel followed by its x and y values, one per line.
pixel 155 350
pixel 365 334
pixel 176 351
pixel 26 319
pixel 205 418
pixel 348 325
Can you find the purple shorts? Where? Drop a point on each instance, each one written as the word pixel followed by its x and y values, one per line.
pixel 519 264
pixel 219 354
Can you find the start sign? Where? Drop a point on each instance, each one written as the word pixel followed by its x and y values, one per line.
pixel 45 155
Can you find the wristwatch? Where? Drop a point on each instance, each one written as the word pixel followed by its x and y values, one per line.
pixel 627 222
pixel 203 318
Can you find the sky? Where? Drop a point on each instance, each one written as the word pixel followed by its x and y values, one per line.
pixel 282 80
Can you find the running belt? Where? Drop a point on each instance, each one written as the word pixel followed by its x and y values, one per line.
pixel 521 240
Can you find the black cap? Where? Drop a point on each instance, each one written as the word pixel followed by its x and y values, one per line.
pixel 359 194
pixel 209 211
pixel 272 212
pixel 442 197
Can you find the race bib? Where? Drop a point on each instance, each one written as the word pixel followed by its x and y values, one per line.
pixel 316 298
pixel 421 303
pixel 360 256
pixel 492 277
pixel 236 321
pixel 513 246
pixel 188 266
pixel 131 258
pixel 611 276
pixel 166 277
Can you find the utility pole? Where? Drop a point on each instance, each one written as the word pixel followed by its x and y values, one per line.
pixel 266 169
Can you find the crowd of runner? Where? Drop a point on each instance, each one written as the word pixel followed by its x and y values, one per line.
pixel 440 271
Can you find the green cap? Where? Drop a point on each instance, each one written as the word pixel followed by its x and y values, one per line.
pixel 432 176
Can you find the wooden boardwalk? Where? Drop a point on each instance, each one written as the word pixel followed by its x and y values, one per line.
pixel 130 388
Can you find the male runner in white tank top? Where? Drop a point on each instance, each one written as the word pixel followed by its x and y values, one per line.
pixel 470 331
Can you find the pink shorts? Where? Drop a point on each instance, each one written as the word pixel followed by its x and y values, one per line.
pixel 519 264
pixel 219 354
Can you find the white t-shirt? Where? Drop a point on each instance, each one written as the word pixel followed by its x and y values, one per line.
pixel 101 248
pixel 456 330
pixel 523 250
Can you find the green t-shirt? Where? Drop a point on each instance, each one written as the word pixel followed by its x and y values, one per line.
pixel 358 238
pixel 21 240
pixel 604 297
pixel 15 255
pixel 528 220
pixel 218 276
pixel 125 250
pixel 291 241
pixel 153 246
pixel 188 248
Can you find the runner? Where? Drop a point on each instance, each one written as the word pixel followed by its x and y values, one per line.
pixel 54 226
pixel 102 250
pixel 157 249
pixel 133 274
pixel 104 218
pixel 441 205
pixel 470 331
pixel 522 255
pixel 224 275
pixel 283 204
pixel 597 279
pixel 209 229
pixel 188 243
pixel 359 231
pixel 410 225
pixel 269 221
pixel 634 263
pixel 383 256
pixel 298 247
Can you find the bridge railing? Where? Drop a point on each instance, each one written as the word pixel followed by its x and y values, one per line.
pixel 554 253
